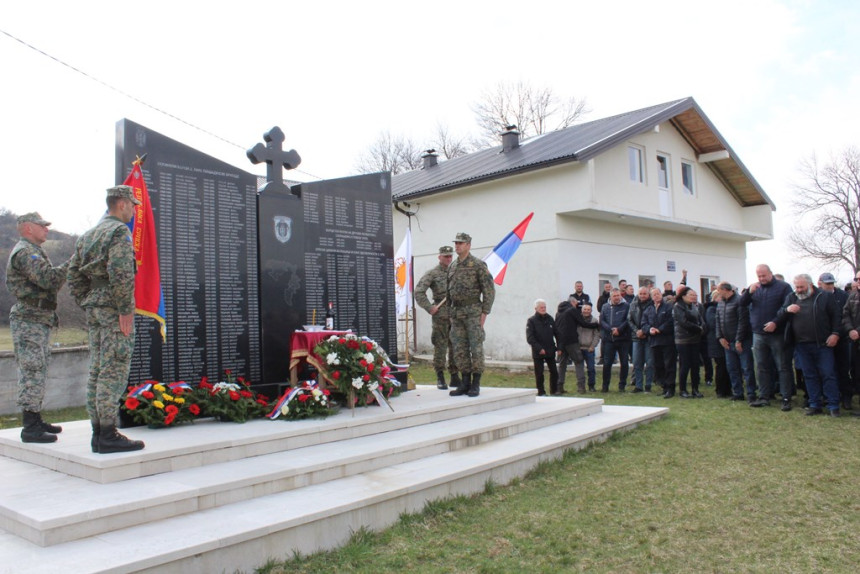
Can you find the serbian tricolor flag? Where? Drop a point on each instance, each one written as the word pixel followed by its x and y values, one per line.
pixel 497 260
pixel 148 297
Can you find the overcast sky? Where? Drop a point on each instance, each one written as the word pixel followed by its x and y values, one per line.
pixel 779 79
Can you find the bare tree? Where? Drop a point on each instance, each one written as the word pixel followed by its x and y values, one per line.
pixel 390 153
pixel 828 201
pixel 533 110
pixel 450 145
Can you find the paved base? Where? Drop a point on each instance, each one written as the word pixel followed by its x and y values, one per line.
pixel 214 497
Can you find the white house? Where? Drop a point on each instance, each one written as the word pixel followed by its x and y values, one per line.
pixel 639 196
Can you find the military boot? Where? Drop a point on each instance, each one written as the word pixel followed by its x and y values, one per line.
pixel 110 440
pixel 455 380
pixel 94 442
pixel 440 380
pixel 32 430
pixel 475 387
pixel 48 427
pixel 464 386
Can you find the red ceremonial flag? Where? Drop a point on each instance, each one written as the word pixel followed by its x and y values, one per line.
pixel 148 296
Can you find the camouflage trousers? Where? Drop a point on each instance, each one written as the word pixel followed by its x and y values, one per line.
pixel 32 352
pixel 110 361
pixel 467 338
pixel 442 346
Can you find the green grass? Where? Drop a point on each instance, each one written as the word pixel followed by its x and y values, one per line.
pixel 713 487
pixel 65 336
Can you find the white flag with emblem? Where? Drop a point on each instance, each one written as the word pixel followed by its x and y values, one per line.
pixel 403 275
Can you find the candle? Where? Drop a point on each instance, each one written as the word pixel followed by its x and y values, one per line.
pixel 314 320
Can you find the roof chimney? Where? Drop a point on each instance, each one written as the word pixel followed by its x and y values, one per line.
pixel 430 158
pixel 510 138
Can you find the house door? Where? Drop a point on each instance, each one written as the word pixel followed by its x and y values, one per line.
pixel 665 198
pixel 706 285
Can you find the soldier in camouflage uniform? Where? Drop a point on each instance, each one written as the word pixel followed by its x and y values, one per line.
pixel 437 281
pixel 101 279
pixel 34 282
pixel 471 293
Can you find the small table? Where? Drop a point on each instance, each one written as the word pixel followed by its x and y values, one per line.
pixel 302 344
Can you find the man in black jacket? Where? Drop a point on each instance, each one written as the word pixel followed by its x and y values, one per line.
pixel 812 323
pixel 540 334
pixel 567 319
pixel 851 325
pixel 734 334
pixel 764 298
pixel 616 338
pixel 842 351
pixel 643 360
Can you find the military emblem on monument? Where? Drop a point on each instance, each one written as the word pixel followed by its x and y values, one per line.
pixel 283 228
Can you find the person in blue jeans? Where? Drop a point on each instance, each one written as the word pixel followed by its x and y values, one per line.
pixel 643 359
pixel 616 338
pixel 764 299
pixel 812 322
pixel 734 334
pixel 589 339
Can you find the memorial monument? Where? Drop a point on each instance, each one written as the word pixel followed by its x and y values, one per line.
pixel 242 267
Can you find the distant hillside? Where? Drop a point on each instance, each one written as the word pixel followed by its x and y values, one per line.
pixel 59 248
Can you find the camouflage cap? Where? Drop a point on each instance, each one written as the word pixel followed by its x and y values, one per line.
pixel 125 191
pixel 446 250
pixel 33 217
pixel 463 238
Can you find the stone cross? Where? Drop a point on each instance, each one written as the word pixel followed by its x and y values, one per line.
pixel 276 159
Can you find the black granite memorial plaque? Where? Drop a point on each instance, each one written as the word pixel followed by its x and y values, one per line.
pixel 282 285
pixel 348 258
pixel 206 223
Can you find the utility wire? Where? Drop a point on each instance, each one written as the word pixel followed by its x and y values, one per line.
pixel 131 97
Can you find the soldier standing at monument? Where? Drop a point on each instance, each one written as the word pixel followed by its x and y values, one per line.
pixel 436 280
pixel 471 293
pixel 101 279
pixel 34 282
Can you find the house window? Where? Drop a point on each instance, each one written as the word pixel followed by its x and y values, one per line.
pixel 707 284
pixel 663 172
pixel 634 160
pixel 647 281
pixel 687 177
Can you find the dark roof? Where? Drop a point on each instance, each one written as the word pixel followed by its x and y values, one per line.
pixel 581 143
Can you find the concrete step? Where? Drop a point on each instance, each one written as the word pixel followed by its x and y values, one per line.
pixel 244 534
pixel 213 443
pixel 48 508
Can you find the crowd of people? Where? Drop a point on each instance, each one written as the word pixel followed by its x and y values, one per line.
pixel 751 344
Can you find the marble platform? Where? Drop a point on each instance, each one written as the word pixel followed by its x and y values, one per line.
pixel 212 497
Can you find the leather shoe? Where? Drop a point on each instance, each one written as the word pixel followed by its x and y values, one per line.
pixel 786 405
pixel 760 403
pixel 813 411
pixel 737 398
pixel 685 395
pixel 637 390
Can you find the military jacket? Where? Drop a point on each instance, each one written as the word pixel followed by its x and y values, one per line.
pixel 436 280
pixel 471 290
pixel 101 271
pixel 34 282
